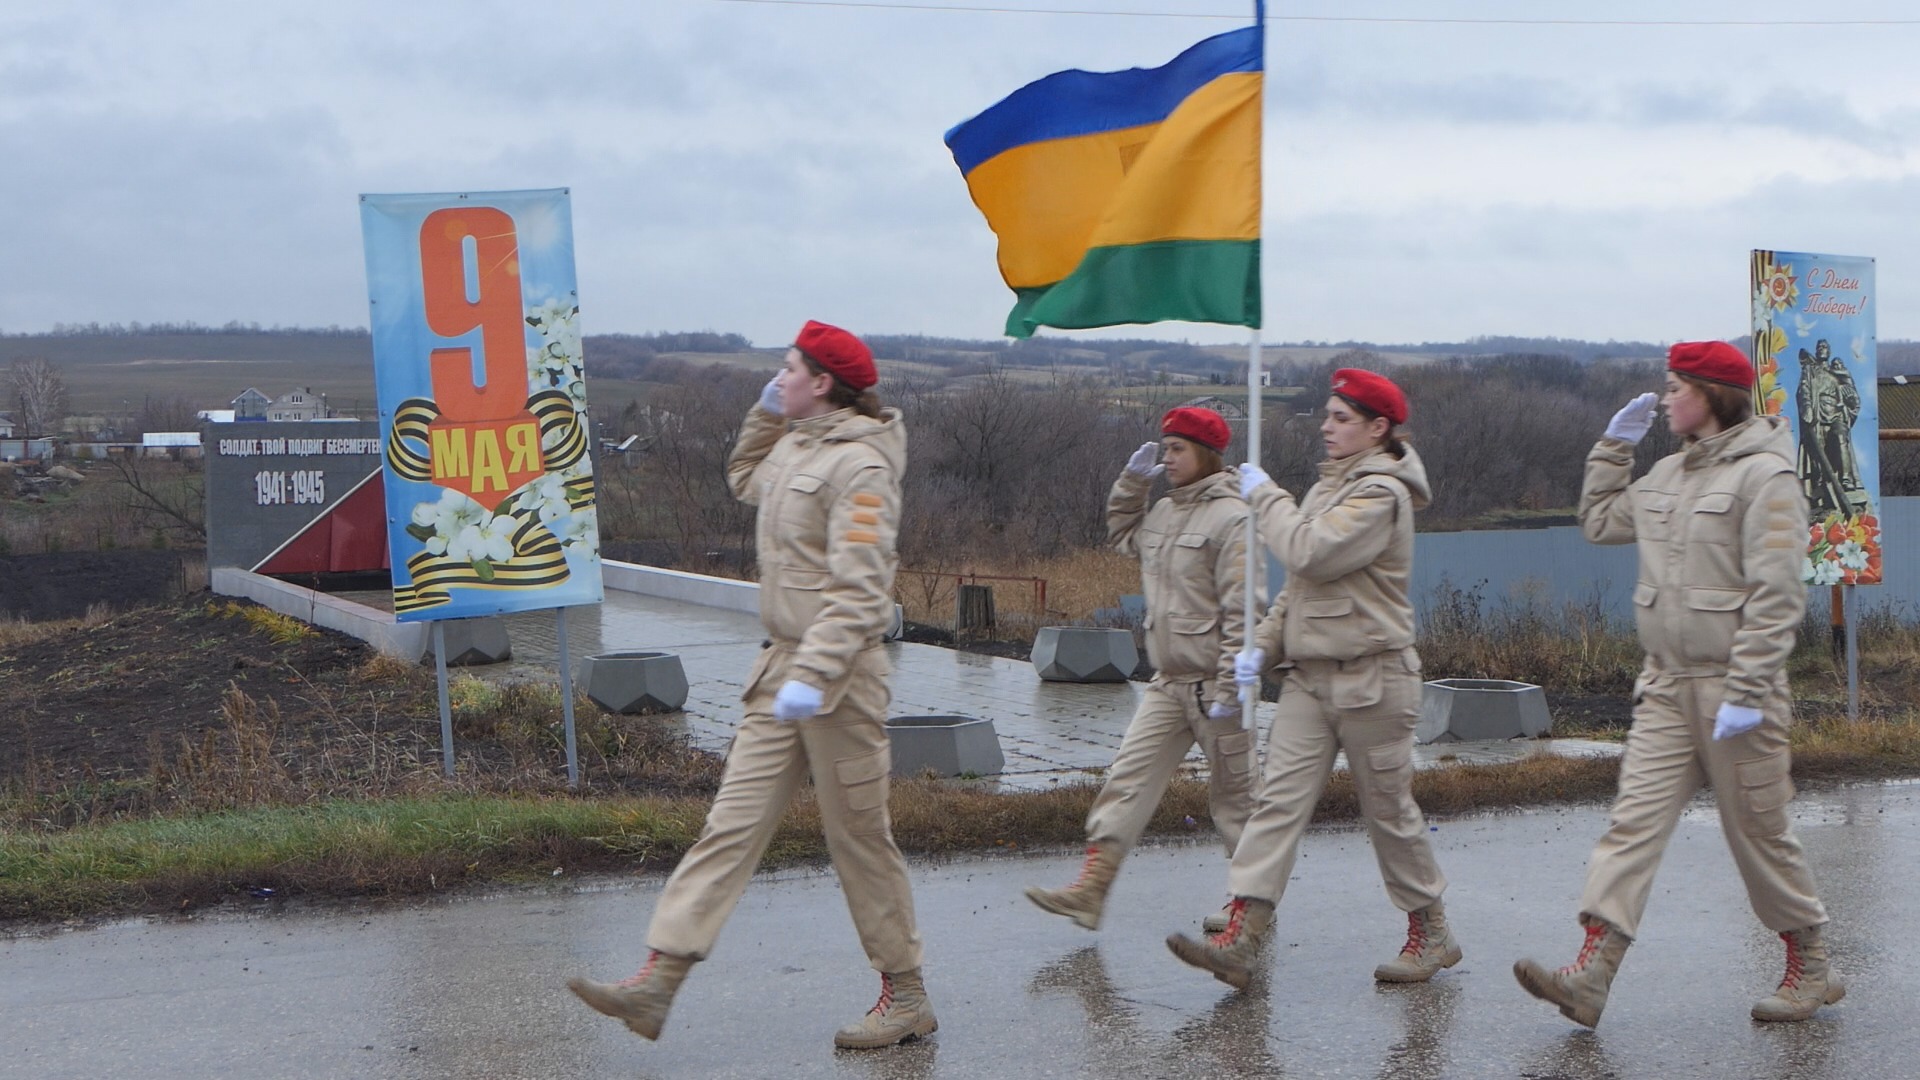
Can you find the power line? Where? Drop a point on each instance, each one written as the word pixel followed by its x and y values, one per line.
pixel 1370 19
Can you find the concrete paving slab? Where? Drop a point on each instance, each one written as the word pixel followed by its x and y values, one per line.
pixel 473 987
pixel 1050 732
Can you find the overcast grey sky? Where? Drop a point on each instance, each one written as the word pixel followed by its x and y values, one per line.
pixel 745 166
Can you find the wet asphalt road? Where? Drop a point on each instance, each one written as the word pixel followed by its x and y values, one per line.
pixel 473 987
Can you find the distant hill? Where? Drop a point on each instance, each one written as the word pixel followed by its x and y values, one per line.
pixel 110 370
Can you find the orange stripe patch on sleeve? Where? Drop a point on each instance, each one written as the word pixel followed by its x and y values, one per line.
pixel 867 498
pixel 865 517
pixel 862 536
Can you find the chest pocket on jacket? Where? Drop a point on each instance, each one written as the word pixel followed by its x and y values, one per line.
pixel 1713 520
pixel 797 502
pixel 1653 516
pixel 1149 543
pixel 1192 565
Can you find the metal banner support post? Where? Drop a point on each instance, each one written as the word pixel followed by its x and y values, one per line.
pixel 1255 415
pixel 1853 656
pixel 566 697
pixel 446 705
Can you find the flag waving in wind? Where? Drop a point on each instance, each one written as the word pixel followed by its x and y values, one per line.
pixel 1128 196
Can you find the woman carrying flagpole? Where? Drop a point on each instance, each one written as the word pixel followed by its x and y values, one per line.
pixel 1341 632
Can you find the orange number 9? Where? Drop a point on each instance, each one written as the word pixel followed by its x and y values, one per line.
pixel 497 313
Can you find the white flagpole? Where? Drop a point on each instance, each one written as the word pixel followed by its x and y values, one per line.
pixel 1255 414
pixel 1254 402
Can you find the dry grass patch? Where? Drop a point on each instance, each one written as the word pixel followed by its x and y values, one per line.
pixel 1568 647
pixel 15 633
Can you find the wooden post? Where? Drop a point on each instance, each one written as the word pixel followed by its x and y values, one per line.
pixel 973 608
pixel 1837 621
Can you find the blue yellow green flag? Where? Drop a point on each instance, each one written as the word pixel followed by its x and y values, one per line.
pixel 1127 196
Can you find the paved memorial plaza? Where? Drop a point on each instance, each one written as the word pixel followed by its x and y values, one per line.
pixel 1050 732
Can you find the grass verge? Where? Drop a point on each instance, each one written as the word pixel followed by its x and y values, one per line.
pixel 412 845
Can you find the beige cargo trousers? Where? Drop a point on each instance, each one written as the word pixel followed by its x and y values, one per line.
pixel 846 753
pixel 1367 707
pixel 1670 753
pixel 1169 720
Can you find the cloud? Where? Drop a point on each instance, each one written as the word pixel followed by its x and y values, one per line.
pixel 742 167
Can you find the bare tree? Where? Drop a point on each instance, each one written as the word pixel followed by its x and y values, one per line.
pixel 40 393
pixel 162 495
pixel 161 414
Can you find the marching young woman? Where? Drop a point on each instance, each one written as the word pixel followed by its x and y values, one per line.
pixel 1722 529
pixel 1193 564
pixel 822 461
pixel 1341 632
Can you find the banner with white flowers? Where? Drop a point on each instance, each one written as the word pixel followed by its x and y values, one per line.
pixel 1816 357
pixel 483 408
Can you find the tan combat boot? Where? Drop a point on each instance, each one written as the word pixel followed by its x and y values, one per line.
pixel 1217 921
pixel 902 1013
pixel 1430 947
pixel 642 1001
pixel 1085 900
pixel 1580 988
pixel 1809 983
pixel 1230 953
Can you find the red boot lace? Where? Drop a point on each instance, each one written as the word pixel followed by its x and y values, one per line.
pixel 886 996
pixel 1791 979
pixel 1086 868
pixel 1416 935
pixel 1236 914
pixel 1594 934
pixel 640 976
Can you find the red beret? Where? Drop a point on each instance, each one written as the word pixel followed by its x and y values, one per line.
pixel 1203 426
pixel 1370 391
pixel 842 354
pixel 1714 361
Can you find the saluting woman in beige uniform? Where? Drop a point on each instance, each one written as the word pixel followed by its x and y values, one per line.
pixel 1341 632
pixel 822 461
pixel 1193 565
pixel 1722 530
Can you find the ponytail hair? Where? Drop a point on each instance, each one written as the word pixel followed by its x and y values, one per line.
pixel 1396 441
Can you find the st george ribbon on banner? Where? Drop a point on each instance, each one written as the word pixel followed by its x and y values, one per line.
pixel 479 371
pixel 1128 196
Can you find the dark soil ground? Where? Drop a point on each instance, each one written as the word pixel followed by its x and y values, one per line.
pixel 101 700
pixel 63 585
pixel 145 697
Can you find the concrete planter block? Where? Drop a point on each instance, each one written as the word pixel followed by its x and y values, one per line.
pixel 1084 654
pixel 949 745
pixel 634 682
pixel 1465 710
pixel 481 640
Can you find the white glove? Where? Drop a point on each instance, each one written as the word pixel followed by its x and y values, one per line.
pixel 1220 710
pixel 1634 419
pixel 1247 666
pixel 1142 461
pixel 770 396
pixel 1252 476
pixel 1734 720
pixel 795 701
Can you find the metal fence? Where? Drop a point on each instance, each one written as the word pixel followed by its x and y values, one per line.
pixel 1557 565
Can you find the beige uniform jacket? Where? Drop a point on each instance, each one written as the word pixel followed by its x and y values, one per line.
pixel 1722 528
pixel 1193 566
pixel 1348 551
pixel 828 489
